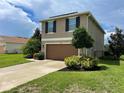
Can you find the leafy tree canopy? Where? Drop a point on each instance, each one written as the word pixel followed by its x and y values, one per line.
pixel 81 39
pixel 32 46
pixel 116 42
pixel 37 34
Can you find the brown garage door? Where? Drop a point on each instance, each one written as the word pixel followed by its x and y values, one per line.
pixel 60 51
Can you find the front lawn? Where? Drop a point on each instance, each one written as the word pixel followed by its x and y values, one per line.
pixel 109 80
pixel 11 59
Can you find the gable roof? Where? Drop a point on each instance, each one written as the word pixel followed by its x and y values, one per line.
pixel 12 39
pixel 75 14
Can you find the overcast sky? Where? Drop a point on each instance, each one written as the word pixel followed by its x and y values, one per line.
pixel 21 17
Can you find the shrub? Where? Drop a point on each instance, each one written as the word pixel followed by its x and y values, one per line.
pixel 85 63
pixel 72 62
pixel 39 56
pixel 28 56
pixel 88 63
pixel 31 47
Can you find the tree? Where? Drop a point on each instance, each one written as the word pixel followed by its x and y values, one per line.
pixel 37 34
pixel 81 39
pixel 116 43
pixel 32 46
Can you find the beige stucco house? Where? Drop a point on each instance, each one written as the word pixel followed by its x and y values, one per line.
pixel 57 32
pixel 10 44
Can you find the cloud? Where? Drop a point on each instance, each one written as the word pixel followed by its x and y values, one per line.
pixel 104 13
pixel 107 35
pixel 14 21
pixel 19 17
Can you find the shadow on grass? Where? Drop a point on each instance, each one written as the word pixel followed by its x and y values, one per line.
pixel 110 62
pixel 98 68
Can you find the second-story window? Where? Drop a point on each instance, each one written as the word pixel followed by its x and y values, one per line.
pixel 50 26
pixel 72 23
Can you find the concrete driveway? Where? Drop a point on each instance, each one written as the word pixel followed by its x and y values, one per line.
pixel 13 76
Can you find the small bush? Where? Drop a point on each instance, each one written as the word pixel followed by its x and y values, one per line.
pixel 72 62
pixel 88 63
pixel 39 56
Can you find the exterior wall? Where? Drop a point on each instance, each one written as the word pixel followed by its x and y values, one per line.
pixel 98 37
pixel 2 50
pixel 13 48
pixel 60 28
pixel 84 21
pixel 2 47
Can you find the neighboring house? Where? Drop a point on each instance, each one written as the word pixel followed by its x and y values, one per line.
pixel 10 44
pixel 57 33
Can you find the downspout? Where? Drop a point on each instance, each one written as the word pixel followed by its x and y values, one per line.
pixel 87 29
pixel 41 36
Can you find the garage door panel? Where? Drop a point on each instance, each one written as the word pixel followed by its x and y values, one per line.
pixel 60 51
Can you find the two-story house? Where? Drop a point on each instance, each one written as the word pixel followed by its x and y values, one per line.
pixel 57 33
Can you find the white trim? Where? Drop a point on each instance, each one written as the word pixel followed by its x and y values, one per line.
pixel 50 33
pixel 51 20
pixel 57 39
pixel 70 31
pixel 72 17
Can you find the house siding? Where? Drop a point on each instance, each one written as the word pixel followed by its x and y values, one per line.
pixel 60 28
pixel 98 37
pixel 2 50
pixel 13 47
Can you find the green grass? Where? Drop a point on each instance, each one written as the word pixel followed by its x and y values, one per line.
pixel 11 59
pixel 108 80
